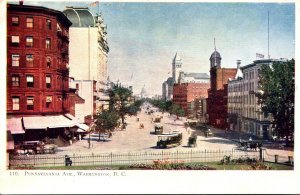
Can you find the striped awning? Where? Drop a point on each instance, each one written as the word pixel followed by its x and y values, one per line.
pixel 43 122
pixel 14 125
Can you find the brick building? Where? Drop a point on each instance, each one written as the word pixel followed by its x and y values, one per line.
pixel 217 94
pixel 188 95
pixel 38 96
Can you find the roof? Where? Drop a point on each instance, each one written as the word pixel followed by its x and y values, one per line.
pixel 40 10
pixel 261 62
pixel 170 81
pixel 43 122
pixel 14 125
pixel 78 99
pixel 197 75
pixel 215 54
pixel 239 74
pixel 177 58
pixel 80 16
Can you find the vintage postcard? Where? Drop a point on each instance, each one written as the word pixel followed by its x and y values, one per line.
pixel 148 97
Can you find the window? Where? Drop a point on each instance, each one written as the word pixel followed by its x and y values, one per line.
pixel 16 103
pixel 15 58
pixel 29 41
pixel 29 60
pixel 15 79
pixel 48 43
pixel 48 81
pixel 48 23
pixel 48 62
pixel 15 40
pixel 15 21
pixel 30 101
pixel 48 101
pixel 30 81
pixel 29 22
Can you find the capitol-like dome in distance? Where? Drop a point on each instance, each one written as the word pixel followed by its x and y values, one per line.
pixel 80 16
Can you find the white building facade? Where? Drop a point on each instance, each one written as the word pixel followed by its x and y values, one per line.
pixel 88 50
pixel 244 113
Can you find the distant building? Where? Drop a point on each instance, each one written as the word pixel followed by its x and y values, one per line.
pixel 38 95
pixel 186 77
pixel 88 55
pixel 167 86
pixel 189 96
pixel 217 94
pixel 244 112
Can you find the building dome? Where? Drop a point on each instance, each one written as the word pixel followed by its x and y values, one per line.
pixel 80 16
pixel 215 54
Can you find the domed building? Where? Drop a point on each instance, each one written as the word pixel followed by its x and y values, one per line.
pixel 88 52
pixel 215 59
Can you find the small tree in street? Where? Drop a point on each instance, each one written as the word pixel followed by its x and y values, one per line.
pixel 277 95
pixel 106 121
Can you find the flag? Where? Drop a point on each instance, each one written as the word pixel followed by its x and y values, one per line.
pixel 94 3
pixel 258 55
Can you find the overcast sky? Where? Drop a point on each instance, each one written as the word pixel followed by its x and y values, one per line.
pixel 144 37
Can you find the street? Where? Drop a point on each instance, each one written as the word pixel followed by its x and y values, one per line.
pixel 136 139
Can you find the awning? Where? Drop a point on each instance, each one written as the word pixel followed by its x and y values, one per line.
pixel 80 130
pixel 14 125
pixel 10 144
pixel 43 122
pixel 83 127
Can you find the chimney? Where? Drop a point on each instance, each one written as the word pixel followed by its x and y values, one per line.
pixel 238 63
pixel 21 2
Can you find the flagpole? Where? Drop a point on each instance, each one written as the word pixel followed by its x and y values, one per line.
pixel 268 37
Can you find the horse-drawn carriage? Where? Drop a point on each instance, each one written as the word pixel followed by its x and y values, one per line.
pixel 252 145
pixel 158 128
pixel 35 147
pixel 192 141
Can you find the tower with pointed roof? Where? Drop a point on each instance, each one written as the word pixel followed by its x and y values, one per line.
pixel 215 58
pixel 176 67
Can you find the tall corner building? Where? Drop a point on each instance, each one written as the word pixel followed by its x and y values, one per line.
pixel 217 94
pixel 88 57
pixel 38 96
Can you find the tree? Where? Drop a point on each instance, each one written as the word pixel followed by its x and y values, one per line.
pixel 106 121
pixel 277 95
pixel 177 110
pixel 119 98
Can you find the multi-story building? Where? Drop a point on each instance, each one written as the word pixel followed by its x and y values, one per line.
pixel 38 96
pixel 245 113
pixel 189 95
pixel 217 94
pixel 88 55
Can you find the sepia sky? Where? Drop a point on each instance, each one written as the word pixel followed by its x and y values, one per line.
pixel 144 37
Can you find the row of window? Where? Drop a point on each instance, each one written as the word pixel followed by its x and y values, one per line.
pixel 15 60
pixel 15 21
pixel 15 79
pixel 240 99
pixel 237 88
pixel 15 41
pixel 30 102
